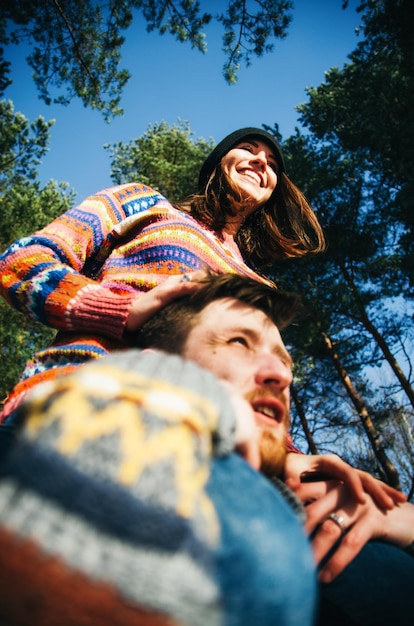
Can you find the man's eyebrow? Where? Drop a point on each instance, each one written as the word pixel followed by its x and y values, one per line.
pixel 280 351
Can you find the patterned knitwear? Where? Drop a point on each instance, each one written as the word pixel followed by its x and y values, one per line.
pixel 81 273
pixel 104 515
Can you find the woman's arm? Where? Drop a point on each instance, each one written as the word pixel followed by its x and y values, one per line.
pixel 43 275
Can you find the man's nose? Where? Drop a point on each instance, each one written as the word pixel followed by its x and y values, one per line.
pixel 272 370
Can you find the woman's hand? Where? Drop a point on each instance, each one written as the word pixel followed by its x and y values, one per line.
pixel 151 301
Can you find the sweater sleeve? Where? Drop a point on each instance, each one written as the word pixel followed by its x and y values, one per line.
pixel 43 275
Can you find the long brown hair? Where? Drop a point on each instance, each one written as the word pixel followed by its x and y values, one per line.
pixel 285 227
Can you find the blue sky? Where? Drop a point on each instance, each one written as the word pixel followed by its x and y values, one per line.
pixel 170 81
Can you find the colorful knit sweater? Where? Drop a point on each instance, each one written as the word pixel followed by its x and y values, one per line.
pixel 104 513
pixel 81 273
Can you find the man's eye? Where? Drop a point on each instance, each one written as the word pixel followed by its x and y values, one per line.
pixel 247 147
pixel 240 340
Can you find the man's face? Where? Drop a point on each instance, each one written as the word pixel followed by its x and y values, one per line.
pixel 241 345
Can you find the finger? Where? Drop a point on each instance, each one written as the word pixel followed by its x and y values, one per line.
pixel 385 497
pixel 184 283
pixel 189 278
pixel 199 275
pixel 349 546
pixel 185 278
pixel 333 466
pixel 309 493
pixel 328 537
pixel 196 276
pixel 150 302
pixel 319 510
pixel 177 286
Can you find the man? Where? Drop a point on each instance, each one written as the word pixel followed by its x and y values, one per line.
pixel 123 490
pixel 229 326
pixel 236 337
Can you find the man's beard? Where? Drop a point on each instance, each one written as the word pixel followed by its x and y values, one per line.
pixel 272 452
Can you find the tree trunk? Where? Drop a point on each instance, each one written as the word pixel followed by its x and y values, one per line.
pixel 387 467
pixel 303 421
pixel 405 385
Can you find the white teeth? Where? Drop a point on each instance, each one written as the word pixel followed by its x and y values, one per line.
pixel 266 411
pixel 253 177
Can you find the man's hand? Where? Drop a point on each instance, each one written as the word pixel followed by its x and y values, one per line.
pixel 306 475
pixel 362 522
pixel 367 509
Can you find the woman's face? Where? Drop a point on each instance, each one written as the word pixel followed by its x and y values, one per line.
pixel 253 167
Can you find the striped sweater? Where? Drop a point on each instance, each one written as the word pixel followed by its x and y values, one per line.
pixel 107 512
pixel 104 514
pixel 82 272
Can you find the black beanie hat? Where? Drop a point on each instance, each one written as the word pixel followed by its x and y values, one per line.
pixel 229 142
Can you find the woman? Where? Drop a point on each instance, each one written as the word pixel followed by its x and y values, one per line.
pixel 103 268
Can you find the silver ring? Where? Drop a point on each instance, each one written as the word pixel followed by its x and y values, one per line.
pixel 339 520
pixel 185 278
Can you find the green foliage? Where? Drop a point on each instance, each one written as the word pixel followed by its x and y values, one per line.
pixel 165 158
pixel 20 338
pixel 247 33
pixel 368 103
pixel 367 106
pixel 349 295
pixel 22 145
pixel 180 19
pixel 76 44
pixel 356 169
pixel 24 207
